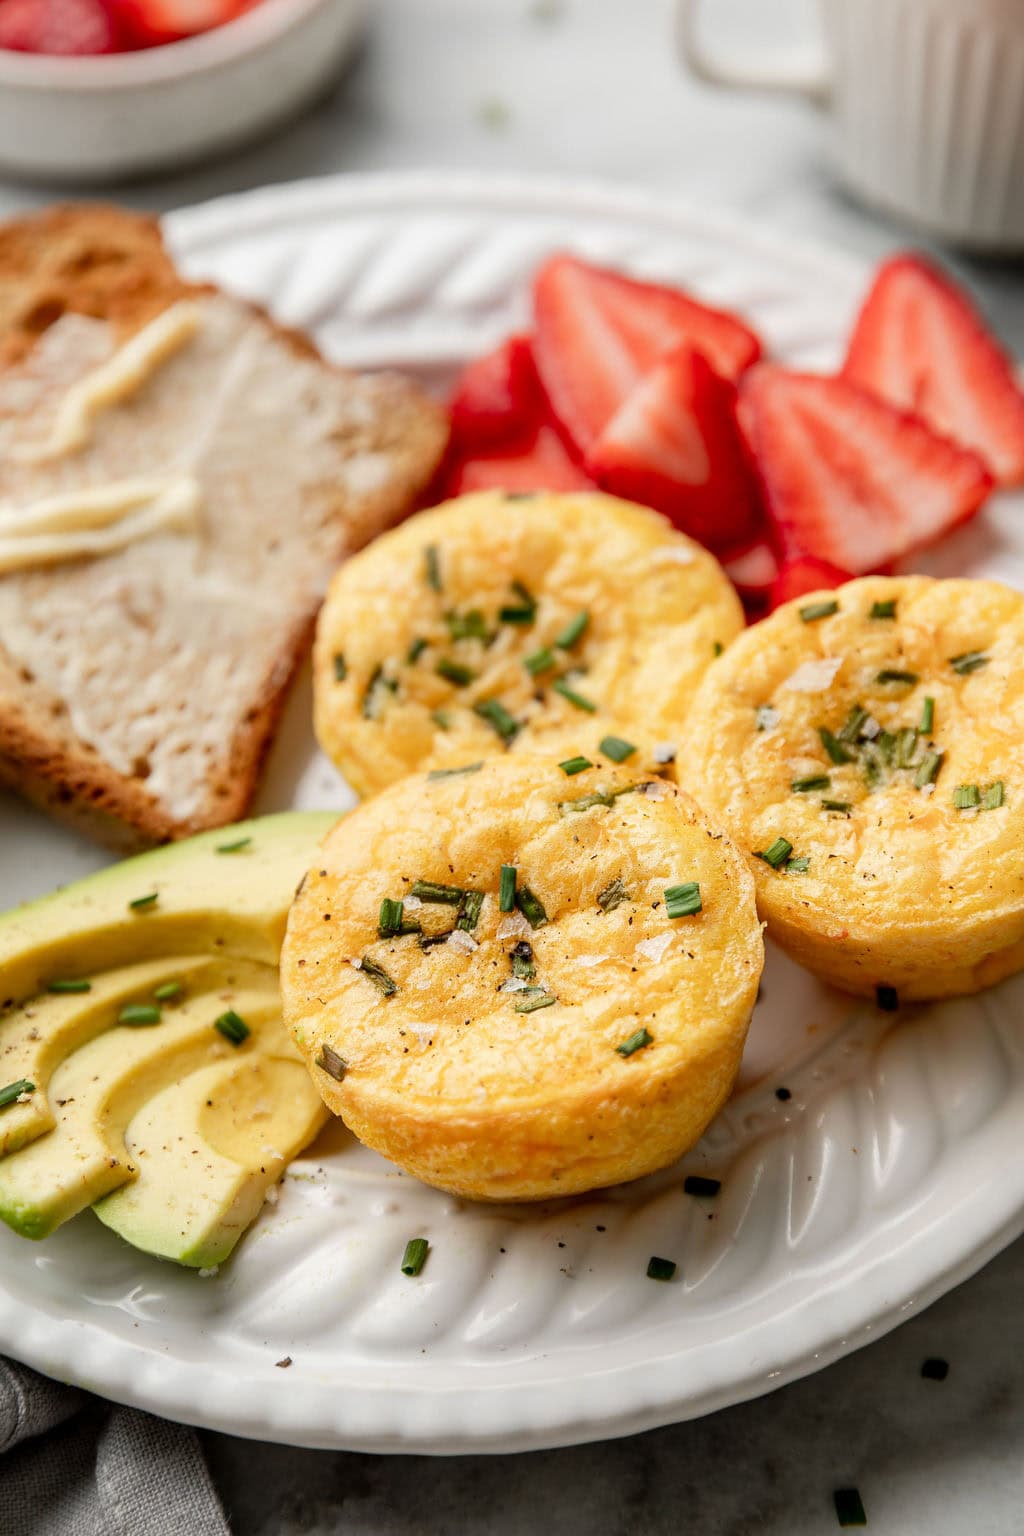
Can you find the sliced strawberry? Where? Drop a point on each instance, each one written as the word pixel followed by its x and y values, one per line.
pixel 753 571
pixel 807 574
pixel 497 397
pixel 149 23
pixel 849 479
pixel 598 333
pixel 920 343
pixel 540 464
pixel 70 27
pixel 674 445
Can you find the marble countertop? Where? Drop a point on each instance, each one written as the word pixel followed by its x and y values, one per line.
pixel 590 87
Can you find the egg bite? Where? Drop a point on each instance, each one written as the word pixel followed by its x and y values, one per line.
pixel 864 747
pixel 519 980
pixel 494 623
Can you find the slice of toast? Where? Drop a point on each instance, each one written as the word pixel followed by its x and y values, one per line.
pixel 140 689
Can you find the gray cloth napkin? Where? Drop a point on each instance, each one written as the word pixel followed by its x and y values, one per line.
pixel 71 1465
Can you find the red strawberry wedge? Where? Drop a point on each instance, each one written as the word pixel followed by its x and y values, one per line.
pixel 674 445
pixel 497 397
pixel 598 333
pixel 847 478
pixel 920 343
pixel 798 577
pixel 541 464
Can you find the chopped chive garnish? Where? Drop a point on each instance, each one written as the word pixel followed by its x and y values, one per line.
pixel 572 631
pixel 507 891
pixel 613 896
pixel 660 1269
pixel 834 747
pixel 531 907
pixel 906 746
pixel 843 806
pixel 887 998
pixel 777 853
pixel 340 668
pixel 885 741
pixel 432 567
pixel 854 721
pixel 236 846
pixel 935 1368
pixel 454 773
pixel 818 611
pixel 797 866
pixel 13 1091
pixel 431 940
pixel 497 716
pixel 375 689
pixel 389 923
pixel 415 1255
pixel 883 610
pixel 634 1043
pixel 993 796
pixel 330 1062
pixel 573 765
pixel 441 718
pixel 470 625
pixel 849 1508
pixel 966 797
pixel 812 781
pixel 169 992
pixel 139 1013
pixel 616 748
pixel 522 961
pixel 523 612
pixel 469 912
pixel 69 986
pixel 454 672
pixel 446 895
pixel 379 976
pixel 141 903
pixel 416 650
pixel 534 998
pixel 682 900
pixel 232 1026
pixel 539 661
pixel 606 797
pixel 895 675
pixel 697 1184
pixel 927 717
pixel 578 700
pixel 969 661
pixel 928 769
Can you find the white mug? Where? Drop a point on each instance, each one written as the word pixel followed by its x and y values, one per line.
pixel 927 98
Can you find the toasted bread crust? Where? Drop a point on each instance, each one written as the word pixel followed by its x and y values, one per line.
pixel 112 265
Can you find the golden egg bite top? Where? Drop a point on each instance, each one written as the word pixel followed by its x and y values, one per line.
pixel 518 982
pixel 494 622
pixel 865 748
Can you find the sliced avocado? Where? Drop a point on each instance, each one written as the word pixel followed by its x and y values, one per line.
pixel 235 1126
pixel 206 902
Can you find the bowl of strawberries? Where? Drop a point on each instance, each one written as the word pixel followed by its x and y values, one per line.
pixel 99 90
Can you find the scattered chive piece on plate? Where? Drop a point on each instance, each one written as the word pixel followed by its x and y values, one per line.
pixel 416 650
pixel 696 1184
pixel 69 986
pixel 851 728
pixel 969 661
pixel 635 1043
pixel 849 1508
pixel 141 903
pixel 169 992
pixel 232 1026
pixel 441 718
pixel 717 649
pixel 432 567
pixel 573 765
pixel 524 612
pixel 531 907
pixel 812 781
pixel 777 853
pixel 469 912
pixel 797 866
pixel 966 797
pixel 834 747
pixel 578 700
pixel 389 923
pixel 842 806
pixel 814 611
pixel 613 895
pixel 536 997
pixel 507 891
pixel 340 669
pixel 454 672
pixel 682 900
pixel 993 796
pixel 12 1092
pixel 236 846
pixel 415 1255
pixel 330 1062
pixel 470 625
pixel 935 1368
pixel 378 976
pixel 887 998
pixel 906 746
pixel 616 748
pixel 539 661
pixel 883 610
pixel 521 956
pixel 497 716
pixel 928 769
pixel 605 797
pixel 453 773
pixel 573 630
pixel 139 1013
pixel 660 1269
pixel 927 717
pixel 895 675
pixel 430 890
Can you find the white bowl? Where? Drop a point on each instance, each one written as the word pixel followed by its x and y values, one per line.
pixel 96 119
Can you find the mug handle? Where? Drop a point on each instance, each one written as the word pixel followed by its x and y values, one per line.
pixel 799 71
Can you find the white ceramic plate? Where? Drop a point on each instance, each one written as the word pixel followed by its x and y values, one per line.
pixel 892 1172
